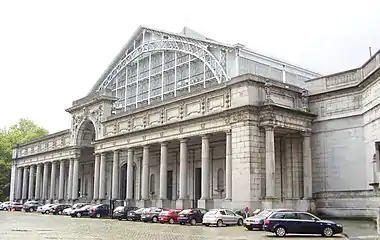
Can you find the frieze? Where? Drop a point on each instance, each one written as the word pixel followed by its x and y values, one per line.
pixel 138 123
pixel 172 113
pixel 154 118
pixel 193 108
pixel 215 102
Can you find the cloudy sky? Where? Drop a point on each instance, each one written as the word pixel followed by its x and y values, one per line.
pixel 52 52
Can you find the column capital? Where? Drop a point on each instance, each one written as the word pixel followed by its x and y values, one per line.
pixel 269 127
pixel 146 146
pixel 130 149
pixel 164 143
pixel 117 150
pixel 228 132
pixel 103 154
pixel 205 136
pixel 183 140
pixel 306 133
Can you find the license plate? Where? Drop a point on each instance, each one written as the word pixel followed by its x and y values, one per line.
pixel 248 224
pixel 181 215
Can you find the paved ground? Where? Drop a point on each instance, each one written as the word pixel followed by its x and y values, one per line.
pixel 31 226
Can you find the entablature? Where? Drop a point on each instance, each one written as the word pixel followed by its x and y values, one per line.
pixel 51 142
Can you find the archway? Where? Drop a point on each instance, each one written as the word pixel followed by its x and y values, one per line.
pixel 85 138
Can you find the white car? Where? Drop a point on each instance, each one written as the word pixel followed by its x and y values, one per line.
pixel 45 208
pixel 220 217
pixel 5 205
pixel 68 211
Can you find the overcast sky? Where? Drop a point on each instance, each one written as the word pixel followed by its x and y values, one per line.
pixel 52 52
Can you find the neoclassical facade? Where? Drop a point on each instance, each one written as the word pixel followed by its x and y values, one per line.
pixel 180 120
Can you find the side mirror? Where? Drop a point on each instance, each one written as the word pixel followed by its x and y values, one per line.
pixel 315 219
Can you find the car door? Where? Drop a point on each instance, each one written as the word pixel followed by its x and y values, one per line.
pixel 309 223
pixel 232 217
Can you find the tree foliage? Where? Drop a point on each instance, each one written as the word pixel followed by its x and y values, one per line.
pixel 25 130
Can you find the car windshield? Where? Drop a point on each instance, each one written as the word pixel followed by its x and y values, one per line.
pixel 140 210
pixel 120 209
pixel 265 213
pixel 212 212
pixel 146 210
pixel 187 211
pixel 85 207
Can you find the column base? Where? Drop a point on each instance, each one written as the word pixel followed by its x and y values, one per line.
pixel 143 203
pixel 206 203
pixel 163 203
pixel 183 203
pixel 267 202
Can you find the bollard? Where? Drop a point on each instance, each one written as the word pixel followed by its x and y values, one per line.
pixel 378 221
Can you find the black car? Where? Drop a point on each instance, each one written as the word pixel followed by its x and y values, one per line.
pixel 192 216
pixel 282 223
pixel 31 206
pixel 150 214
pixel 58 209
pixel 121 212
pixel 257 221
pixel 135 215
pixel 98 211
pixel 83 211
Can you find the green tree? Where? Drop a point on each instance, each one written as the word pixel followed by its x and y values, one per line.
pixel 25 130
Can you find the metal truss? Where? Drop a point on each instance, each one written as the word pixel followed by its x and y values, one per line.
pixel 187 47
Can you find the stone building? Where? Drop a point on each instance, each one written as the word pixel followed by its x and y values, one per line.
pixel 180 120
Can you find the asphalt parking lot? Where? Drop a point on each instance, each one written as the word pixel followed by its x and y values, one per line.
pixel 30 226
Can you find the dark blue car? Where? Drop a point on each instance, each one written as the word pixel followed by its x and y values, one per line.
pixel 282 223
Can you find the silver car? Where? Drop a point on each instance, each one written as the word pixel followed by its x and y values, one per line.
pixel 220 217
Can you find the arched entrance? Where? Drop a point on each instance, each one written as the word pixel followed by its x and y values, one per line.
pixel 86 136
pixel 123 181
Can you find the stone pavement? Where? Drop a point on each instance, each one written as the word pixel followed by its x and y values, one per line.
pixel 33 226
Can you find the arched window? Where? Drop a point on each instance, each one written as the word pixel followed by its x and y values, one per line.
pixel 220 178
pixel 151 183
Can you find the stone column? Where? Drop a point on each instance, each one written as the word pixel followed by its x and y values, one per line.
pixel 269 162
pixel 183 170
pixel 13 187
pixel 129 189
pixel 115 175
pixel 38 182
pixel 102 177
pixel 307 167
pixel 96 176
pixel 25 184
pixel 74 194
pixel 205 168
pixel 19 183
pixel 145 174
pixel 228 165
pixel 31 182
pixel 61 188
pixel 45 181
pixel 164 171
pixel 53 180
pixel 70 179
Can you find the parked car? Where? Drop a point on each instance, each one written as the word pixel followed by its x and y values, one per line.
pixel 15 206
pixel 257 221
pixel 4 206
pixel 31 206
pixel 220 217
pixel 122 212
pixel 98 211
pixel 45 209
pixel 282 223
pixel 192 216
pixel 151 214
pixel 68 211
pixel 135 215
pixel 83 211
pixel 59 208
pixel 169 215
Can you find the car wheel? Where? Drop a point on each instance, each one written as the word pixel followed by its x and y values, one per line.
pixel 98 215
pixel 249 228
pixel 280 231
pixel 59 212
pixel 240 222
pixel 219 223
pixel 79 215
pixel 119 219
pixel 193 221
pixel 206 224
pixel 171 220
pixel 328 232
pixel 31 210
pixel 182 223
pixel 47 211
pixel 154 219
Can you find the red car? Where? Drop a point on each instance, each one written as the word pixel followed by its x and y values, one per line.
pixel 169 215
